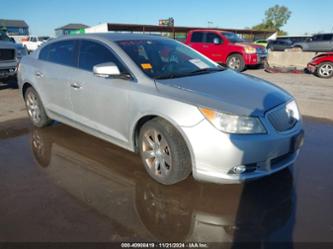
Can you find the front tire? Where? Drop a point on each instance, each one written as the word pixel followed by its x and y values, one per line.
pixel 35 108
pixel 298 49
pixel 236 62
pixel 164 152
pixel 325 70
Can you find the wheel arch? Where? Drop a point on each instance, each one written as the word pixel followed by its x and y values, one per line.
pixel 235 52
pixel 25 86
pixel 135 131
pixel 298 46
pixel 325 61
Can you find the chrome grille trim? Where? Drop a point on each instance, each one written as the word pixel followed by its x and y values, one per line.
pixel 280 119
pixel 7 54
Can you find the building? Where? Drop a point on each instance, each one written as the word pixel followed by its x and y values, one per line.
pixel 14 27
pixel 72 28
pixel 176 32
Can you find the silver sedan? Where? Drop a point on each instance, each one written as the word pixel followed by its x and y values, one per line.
pixel 181 111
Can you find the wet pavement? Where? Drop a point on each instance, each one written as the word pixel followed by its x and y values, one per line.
pixel 59 184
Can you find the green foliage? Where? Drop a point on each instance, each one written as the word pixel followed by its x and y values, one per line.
pixel 275 18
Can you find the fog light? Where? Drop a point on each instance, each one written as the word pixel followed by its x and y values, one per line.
pixel 11 70
pixel 239 169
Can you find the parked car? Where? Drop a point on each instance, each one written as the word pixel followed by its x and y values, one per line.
pixel 279 45
pixel 322 65
pixel 33 42
pixel 180 110
pixel 263 43
pixel 10 55
pixel 318 43
pixel 294 39
pixel 226 48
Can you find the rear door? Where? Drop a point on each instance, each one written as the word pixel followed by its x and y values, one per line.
pixel 101 103
pixel 327 43
pixel 316 44
pixel 197 42
pixel 55 73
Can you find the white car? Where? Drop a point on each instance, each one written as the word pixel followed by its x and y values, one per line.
pixel 33 43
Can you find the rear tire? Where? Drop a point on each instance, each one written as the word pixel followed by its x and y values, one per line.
pixel 325 70
pixel 236 62
pixel 164 152
pixel 35 108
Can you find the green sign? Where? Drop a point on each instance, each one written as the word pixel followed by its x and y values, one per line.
pixel 77 32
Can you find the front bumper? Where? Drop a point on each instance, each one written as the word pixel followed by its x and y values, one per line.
pixel 311 68
pixel 255 59
pixel 8 69
pixel 214 153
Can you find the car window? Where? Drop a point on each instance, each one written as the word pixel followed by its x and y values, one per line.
pixel 327 37
pixel 210 36
pixel 63 52
pixel 232 37
pixel 197 37
pixel 44 53
pixel 317 38
pixel 92 53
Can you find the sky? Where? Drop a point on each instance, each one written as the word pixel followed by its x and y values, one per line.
pixel 43 16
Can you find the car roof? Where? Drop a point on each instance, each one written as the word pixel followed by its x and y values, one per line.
pixel 323 34
pixel 114 36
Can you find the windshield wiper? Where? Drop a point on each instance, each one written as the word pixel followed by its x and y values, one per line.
pixel 206 70
pixel 170 76
pixel 199 71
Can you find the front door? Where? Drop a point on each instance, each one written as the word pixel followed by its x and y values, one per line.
pixel 101 104
pixel 214 44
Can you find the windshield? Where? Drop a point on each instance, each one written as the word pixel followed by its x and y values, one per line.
pixel 232 37
pixel 166 58
pixel 4 37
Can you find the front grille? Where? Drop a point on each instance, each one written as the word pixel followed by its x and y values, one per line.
pixel 7 54
pixel 261 50
pixel 282 119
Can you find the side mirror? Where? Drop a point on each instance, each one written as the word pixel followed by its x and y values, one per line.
pixel 216 41
pixel 106 69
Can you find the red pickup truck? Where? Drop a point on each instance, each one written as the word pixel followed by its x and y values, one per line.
pixel 226 48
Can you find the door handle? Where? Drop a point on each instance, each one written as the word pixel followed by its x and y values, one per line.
pixel 76 85
pixel 39 74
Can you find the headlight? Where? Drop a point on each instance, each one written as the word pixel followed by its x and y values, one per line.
pixel 292 109
pixel 21 52
pixel 233 123
pixel 250 49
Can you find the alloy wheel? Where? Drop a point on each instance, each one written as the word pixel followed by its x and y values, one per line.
pixel 33 107
pixel 156 153
pixel 234 63
pixel 326 70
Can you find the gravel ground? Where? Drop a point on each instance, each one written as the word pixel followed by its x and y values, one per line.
pixel 314 95
pixel 11 103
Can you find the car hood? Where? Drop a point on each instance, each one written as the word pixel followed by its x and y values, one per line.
pixel 248 44
pixel 226 91
pixel 6 44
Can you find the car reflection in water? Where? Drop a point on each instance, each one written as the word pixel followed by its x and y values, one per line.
pixel 113 182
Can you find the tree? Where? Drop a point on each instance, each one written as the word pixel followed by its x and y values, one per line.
pixel 275 18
